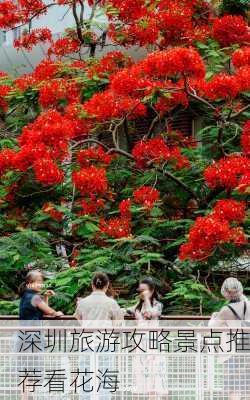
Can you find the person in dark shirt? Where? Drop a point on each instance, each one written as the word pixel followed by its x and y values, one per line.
pixel 33 305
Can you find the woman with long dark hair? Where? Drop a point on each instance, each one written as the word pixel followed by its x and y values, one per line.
pixel 148 307
pixel 149 371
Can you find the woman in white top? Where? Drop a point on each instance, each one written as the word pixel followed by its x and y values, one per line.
pixel 98 306
pixel 236 368
pixel 149 371
pixel 97 311
pixel 148 306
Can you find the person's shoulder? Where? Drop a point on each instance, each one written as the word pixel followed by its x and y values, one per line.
pixel 84 299
pixel 111 300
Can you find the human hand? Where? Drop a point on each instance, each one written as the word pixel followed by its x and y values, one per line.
pixel 59 314
pixel 49 293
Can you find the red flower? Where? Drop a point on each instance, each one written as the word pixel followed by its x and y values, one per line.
pixel 87 156
pixel 128 82
pixel 230 210
pixel 24 82
pixel 47 172
pixel 222 86
pixel 81 126
pixel 245 138
pixel 227 172
pixel 155 151
pixel 109 64
pixel 175 25
pixel 146 196
pixel 51 129
pixel 243 78
pixel 9 15
pixel 230 29
pixel 7 159
pixel 178 60
pixel 210 232
pixel 91 180
pixel 241 57
pixel 4 91
pixel 64 46
pixel 106 105
pixel 151 151
pixel 46 69
pixel 128 10
pixel 91 206
pixel 28 154
pixel 178 159
pixel 117 227
pixel 124 208
pixel 29 40
pixel 57 90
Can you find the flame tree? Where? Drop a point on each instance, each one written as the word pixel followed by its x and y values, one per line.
pixel 79 193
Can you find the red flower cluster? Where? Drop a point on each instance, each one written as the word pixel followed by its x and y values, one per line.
pixel 91 180
pixel 228 172
pixel 4 91
pixel 86 156
pixel 47 172
pixel 213 231
pixel 165 23
pixel 243 78
pixel 9 15
pixel 175 25
pixel 117 227
pixel 109 64
pixel 30 7
pixel 128 82
pixel 64 46
pixel 128 9
pixel 41 143
pixel 106 105
pixel 151 151
pixel 222 86
pixel 91 206
pixel 241 57
pixel 29 40
pixel 230 210
pixel 146 196
pixel 24 82
pixel 155 151
pixel 178 60
pixel 245 138
pixel 230 29
pixel 6 160
pixel 54 91
pixel 125 208
pixel 81 126
pixel 50 129
pixel 46 69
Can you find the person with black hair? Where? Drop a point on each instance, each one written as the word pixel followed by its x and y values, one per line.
pixel 98 305
pixel 149 371
pixel 96 311
pixel 148 307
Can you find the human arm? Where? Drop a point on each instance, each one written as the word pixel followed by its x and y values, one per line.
pixel 43 306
